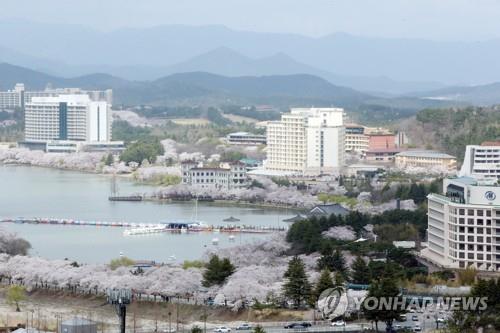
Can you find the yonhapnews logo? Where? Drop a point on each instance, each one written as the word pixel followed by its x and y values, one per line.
pixel 333 303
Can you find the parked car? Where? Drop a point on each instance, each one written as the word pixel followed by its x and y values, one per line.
pixel 417 328
pixel 222 329
pixel 414 318
pixel 440 320
pixel 338 323
pixel 244 327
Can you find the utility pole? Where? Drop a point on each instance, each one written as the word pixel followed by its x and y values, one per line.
pixel 169 322
pixel 177 316
pixel 120 298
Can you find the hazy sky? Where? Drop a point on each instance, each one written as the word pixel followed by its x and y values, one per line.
pixel 430 19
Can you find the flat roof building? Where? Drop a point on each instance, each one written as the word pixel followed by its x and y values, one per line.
pixel 67 117
pixel 306 141
pixel 426 159
pixel 482 161
pixel 245 138
pixel 464 225
pixel 227 175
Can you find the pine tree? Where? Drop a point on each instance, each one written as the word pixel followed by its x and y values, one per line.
pixel 296 288
pixel 324 282
pixel 386 287
pixel 333 261
pixel 360 272
pixel 339 280
pixel 217 271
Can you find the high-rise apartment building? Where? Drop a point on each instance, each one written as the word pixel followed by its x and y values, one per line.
pixel 306 141
pixel 67 117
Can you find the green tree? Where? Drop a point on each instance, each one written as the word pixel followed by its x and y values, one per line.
pixel 385 287
pixel 15 295
pixel 196 329
pixel 142 150
pixel 109 159
pixel 324 282
pixel 121 262
pixel 360 273
pixel 296 287
pixel 217 271
pixel 334 261
pixel 259 329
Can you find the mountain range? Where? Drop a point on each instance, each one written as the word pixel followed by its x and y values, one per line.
pixel 379 66
pixel 201 88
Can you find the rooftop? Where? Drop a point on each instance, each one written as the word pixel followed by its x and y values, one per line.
pixel 385 150
pixel 490 143
pixel 425 153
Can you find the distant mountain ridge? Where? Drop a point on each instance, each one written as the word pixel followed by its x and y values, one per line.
pixel 364 63
pixel 201 88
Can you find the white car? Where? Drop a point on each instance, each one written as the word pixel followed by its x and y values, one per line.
pixel 244 327
pixel 441 320
pixel 222 329
pixel 417 328
pixel 338 323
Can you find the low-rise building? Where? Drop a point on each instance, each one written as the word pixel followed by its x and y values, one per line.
pixel 328 209
pixel 226 176
pixel 378 141
pixel 464 225
pixel 245 138
pixel 356 140
pixel 426 159
pixel 385 155
pixel 59 146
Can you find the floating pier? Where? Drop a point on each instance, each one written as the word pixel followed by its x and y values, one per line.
pixel 172 227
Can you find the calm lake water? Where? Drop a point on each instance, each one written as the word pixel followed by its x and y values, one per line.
pixel 39 192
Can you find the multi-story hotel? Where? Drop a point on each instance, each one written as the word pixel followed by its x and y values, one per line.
pixel 18 97
pixel 464 225
pixel 427 159
pixel 306 141
pixel 482 161
pixel 67 117
pixel 226 176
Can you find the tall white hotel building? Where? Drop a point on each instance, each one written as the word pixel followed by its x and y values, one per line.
pixel 67 117
pixel 307 141
pixel 464 221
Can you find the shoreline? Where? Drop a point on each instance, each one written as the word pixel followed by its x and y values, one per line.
pixel 233 203
pixel 149 197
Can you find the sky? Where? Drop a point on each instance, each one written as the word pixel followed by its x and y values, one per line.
pixel 426 19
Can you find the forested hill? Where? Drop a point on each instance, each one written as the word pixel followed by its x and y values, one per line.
pixel 452 129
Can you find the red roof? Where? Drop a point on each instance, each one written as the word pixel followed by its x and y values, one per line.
pixel 490 143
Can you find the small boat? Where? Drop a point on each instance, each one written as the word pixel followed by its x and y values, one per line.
pixel 145 230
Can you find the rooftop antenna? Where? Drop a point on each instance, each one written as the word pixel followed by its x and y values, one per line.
pixel 120 298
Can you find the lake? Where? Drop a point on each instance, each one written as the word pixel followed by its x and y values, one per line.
pixel 39 192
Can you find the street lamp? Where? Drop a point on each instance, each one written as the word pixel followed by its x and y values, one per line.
pixel 169 322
